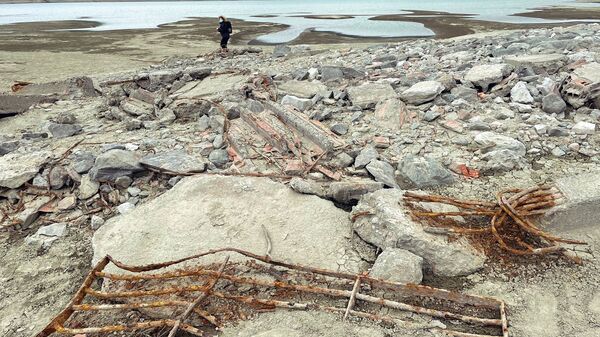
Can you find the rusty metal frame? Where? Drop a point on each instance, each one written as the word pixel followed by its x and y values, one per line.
pixel 353 296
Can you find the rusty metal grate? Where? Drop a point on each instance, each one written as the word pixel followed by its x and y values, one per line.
pixel 214 294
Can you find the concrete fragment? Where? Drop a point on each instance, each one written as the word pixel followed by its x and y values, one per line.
pixel 31 211
pixel 489 141
pixel 390 226
pixel 422 92
pixel 87 187
pixel 17 168
pixel 174 161
pixel 540 63
pixel 382 172
pixel 301 89
pixel 211 86
pixel 45 236
pixel 584 128
pixel 390 114
pixel 367 95
pixel 301 104
pixel 76 87
pixel 485 75
pixel 423 172
pixel 365 156
pixel 553 104
pixel 11 105
pixel 64 130
pixel 520 94
pixel 589 71
pixel 115 163
pixel 398 265
pixel 581 207
pixel 310 129
pixel 208 212
pixel 347 192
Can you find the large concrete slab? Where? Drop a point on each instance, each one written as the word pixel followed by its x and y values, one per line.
pixel 581 209
pixel 211 86
pixel 590 72
pixel 76 87
pixel 17 168
pixel 208 212
pixel 15 104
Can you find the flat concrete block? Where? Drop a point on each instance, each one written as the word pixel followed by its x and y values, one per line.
pixel 581 208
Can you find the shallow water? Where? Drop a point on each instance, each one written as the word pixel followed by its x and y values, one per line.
pixel 131 15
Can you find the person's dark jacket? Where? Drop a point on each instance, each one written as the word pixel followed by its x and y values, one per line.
pixel 225 28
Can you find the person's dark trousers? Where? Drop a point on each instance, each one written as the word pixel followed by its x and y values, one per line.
pixel 224 41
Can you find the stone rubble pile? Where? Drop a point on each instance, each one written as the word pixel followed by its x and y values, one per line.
pixel 356 126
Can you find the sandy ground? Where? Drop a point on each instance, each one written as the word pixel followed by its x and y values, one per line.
pixel 44 51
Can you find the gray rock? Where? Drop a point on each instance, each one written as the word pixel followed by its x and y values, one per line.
pixel 64 130
pixel 489 141
pixel 485 75
pixel 502 160
pixel 115 163
pixel 189 109
pixel 203 123
pixel 431 115
pixel 219 157
pixel 125 208
pixel 342 160
pixel 556 131
pixel 390 114
pixel 398 265
pixel 198 73
pixel 209 212
pixel 87 187
pixel 164 77
pixel 520 94
pixel 45 236
pixel 136 108
pixel 383 172
pixel 423 172
pixel 123 182
pixel 468 94
pixel 302 104
pixel 331 74
pixel 31 211
pixel 365 156
pixel 58 177
pixel 339 128
pixel 390 226
pixel 96 222
pixel 422 92
pixel 82 162
pixel 504 113
pixel 174 161
pixel 8 146
pixel 65 117
pixel 553 104
pixel 369 94
pixel 584 128
pixel 18 168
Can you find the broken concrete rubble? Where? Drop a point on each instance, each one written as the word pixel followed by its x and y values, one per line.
pixel 579 211
pixel 73 88
pixel 398 265
pixel 368 95
pixel 114 164
pixel 388 225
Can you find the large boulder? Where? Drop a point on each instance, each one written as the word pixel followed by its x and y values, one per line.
pixel 209 212
pixel 368 95
pixel 389 225
pixel 422 92
pixel 485 75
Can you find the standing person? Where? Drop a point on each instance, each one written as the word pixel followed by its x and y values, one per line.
pixel 225 29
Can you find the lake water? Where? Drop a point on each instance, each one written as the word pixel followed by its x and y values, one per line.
pixel 130 15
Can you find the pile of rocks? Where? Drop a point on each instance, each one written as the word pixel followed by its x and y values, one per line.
pixel 417 115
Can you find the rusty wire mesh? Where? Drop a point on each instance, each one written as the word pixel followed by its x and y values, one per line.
pixel 239 290
pixel 508 222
